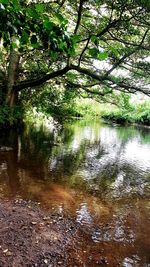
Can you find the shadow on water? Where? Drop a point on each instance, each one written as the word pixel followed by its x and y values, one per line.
pixel 97 174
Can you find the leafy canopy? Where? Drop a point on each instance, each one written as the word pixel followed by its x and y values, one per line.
pixel 96 48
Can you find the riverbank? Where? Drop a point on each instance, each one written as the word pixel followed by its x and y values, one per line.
pixel 32 237
pixel 123 118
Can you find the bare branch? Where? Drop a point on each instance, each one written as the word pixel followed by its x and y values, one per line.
pixel 84 49
pixel 89 91
pixel 122 86
pixel 121 60
pixel 141 46
pixel 62 3
pixel 79 16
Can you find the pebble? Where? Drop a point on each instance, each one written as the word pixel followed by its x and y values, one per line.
pixel 34 223
pixel 8 253
pixel 5 251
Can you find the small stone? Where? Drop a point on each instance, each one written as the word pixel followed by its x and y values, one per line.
pixel 45 261
pixel 45 218
pixel 5 251
pixel 8 253
pixel 49 222
pixel 34 223
pixel 60 262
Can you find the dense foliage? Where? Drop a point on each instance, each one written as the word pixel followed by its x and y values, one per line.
pixel 128 112
pixel 54 51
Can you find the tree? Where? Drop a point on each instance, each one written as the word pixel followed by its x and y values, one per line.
pixel 93 47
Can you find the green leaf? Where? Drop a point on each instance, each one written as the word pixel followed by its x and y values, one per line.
pixel 102 55
pixel 94 39
pixel 53 55
pixel 59 17
pixel 16 5
pixel 48 25
pixel 35 45
pixel 33 39
pixel 93 52
pixel 39 8
pixel 14 45
pixel 75 39
pixel 4 1
pixel 25 37
pixel 32 13
pixel 114 50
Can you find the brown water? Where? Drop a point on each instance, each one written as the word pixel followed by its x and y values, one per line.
pixel 98 175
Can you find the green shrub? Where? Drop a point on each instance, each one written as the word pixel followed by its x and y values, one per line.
pixel 10 116
pixel 139 114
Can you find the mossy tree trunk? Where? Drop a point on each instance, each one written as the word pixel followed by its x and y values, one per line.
pixel 12 75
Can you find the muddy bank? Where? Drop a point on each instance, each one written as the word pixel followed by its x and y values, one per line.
pixel 32 237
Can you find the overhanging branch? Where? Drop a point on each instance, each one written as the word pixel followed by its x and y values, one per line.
pixel 40 81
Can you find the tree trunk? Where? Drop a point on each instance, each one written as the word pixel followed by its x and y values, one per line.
pixel 12 95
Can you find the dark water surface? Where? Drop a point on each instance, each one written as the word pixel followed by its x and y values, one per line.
pixel 99 175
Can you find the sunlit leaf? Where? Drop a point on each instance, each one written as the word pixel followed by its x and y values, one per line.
pixel 94 40
pixel 48 25
pixel 103 55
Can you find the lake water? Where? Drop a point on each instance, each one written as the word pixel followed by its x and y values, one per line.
pixel 96 174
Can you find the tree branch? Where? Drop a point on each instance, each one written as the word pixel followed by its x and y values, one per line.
pixel 40 81
pixel 131 44
pixel 84 49
pixel 79 16
pixel 128 87
pixel 121 60
pixel 87 72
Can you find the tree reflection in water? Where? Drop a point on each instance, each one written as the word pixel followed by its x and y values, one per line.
pixel 98 174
